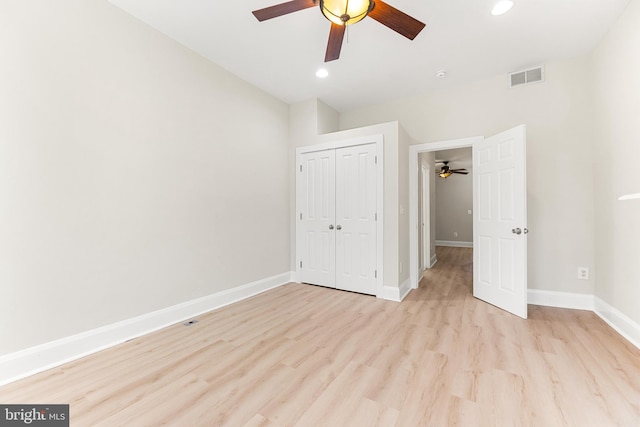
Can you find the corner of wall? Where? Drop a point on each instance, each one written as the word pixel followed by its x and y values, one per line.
pixel 328 119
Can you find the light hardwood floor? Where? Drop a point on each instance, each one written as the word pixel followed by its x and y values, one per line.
pixel 309 356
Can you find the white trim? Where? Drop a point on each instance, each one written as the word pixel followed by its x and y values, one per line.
pixel 414 150
pixel 405 288
pixel 454 244
pixel 391 293
pixel 36 359
pixel 377 139
pixel 434 259
pixel 560 299
pixel 622 324
pixel 332 145
pixel 426 219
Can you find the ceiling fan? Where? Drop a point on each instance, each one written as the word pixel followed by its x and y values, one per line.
pixel 346 12
pixel 446 171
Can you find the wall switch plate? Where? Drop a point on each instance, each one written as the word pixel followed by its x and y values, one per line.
pixel 469 211
pixel 455 234
pixel 583 273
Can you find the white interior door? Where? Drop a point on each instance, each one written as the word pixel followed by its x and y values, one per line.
pixel 355 229
pixel 499 232
pixel 317 193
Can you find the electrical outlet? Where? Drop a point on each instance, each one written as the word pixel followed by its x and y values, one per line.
pixel 583 273
pixel 455 234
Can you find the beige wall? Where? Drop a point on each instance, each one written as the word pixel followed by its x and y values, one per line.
pixel 135 174
pixel 558 116
pixel 328 118
pixel 616 66
pixel 454 198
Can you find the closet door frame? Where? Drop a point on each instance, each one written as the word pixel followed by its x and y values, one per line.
pixel 378 140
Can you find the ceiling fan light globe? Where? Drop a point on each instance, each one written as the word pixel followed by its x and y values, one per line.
pixel 343 12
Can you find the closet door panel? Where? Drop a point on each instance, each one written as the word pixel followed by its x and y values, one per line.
pixel 356 219
pixel 317 192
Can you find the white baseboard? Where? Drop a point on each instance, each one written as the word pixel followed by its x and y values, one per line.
pixel 432 262
pixel 454 244
pixel 405 288
pixel 391 293
pixel 560 299
pixel 618 321
pixel 36 359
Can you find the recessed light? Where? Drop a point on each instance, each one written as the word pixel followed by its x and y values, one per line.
pixel 322 73
pixel 441 74
pixel 502 7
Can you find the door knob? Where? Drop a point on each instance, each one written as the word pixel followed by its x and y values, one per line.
pixel 526 231
pixel 516 231
pixel 331 227
pixel 338 227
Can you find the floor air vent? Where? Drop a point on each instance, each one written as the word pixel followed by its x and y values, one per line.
pixel 520 78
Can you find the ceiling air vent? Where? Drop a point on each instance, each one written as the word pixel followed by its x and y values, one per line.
pixel 520 78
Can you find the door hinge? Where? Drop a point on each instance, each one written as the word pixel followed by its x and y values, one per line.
pixel 300 215
pixel 376 158
pixel 300 168
pixel 300 264
pixel 376 215
pixel 375 274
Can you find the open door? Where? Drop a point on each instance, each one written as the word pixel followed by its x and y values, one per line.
pixel 499 230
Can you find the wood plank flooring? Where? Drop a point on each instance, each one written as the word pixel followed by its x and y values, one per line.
pixel 308 356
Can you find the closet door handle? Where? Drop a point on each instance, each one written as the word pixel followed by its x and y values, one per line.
pixel 338 227
pixel 330 226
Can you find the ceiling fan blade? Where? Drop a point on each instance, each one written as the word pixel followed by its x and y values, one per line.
pixel 283 9
pixel 460 171
pixel 334 46
pixel 398 21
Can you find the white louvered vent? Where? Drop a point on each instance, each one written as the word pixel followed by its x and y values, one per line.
pixel 520 78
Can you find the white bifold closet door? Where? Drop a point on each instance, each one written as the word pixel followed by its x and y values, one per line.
pixel 337 190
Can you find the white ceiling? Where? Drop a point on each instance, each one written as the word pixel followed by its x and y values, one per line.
pixel 282 55
pixel 458 158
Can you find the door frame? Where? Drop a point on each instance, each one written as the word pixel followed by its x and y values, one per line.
pixel 425 201
pixel 378 140
pixel 414 169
